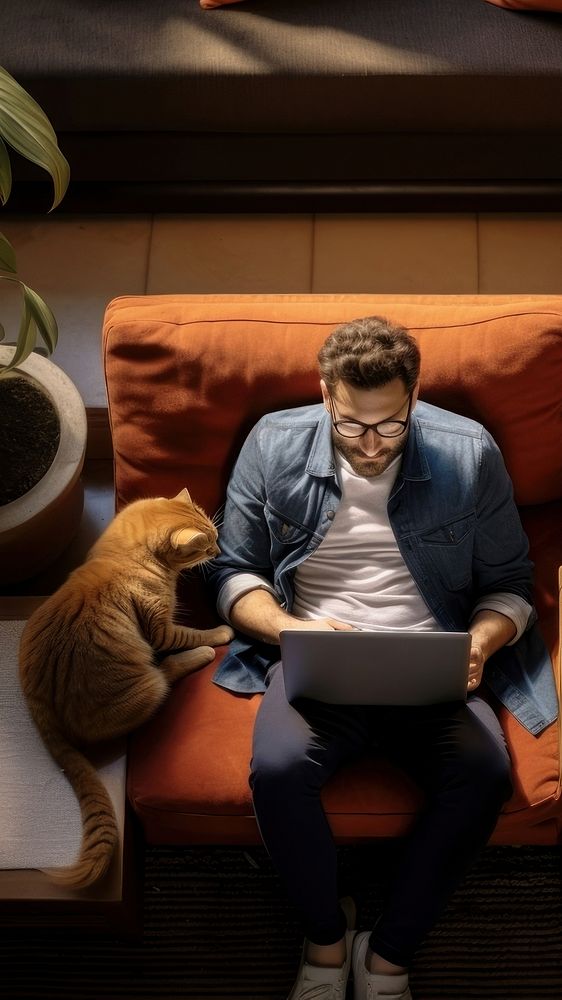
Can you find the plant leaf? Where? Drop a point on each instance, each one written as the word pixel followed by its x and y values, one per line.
pixel 5 173
pixel 36 318
pixel 27 335
pixel 25 127
pixel 42 317
pixel 7 255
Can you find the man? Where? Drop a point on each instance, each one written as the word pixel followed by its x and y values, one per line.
pixel 372 510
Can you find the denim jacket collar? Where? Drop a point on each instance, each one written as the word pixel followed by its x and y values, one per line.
pixel 415 465
pixel 321 461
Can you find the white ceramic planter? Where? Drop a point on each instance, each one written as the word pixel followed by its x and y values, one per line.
pixel 37 527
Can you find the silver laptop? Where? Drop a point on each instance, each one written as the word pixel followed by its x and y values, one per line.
pixel 375 668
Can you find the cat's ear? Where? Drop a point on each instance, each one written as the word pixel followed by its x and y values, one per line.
pixel 184 495
pixel 188 540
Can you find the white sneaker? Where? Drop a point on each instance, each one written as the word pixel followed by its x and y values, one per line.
pixel 370 986
pixel 315 982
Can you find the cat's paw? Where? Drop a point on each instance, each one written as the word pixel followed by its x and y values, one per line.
pixel 224 634
pixel 178 665
pixel 206 653
pixel 218 636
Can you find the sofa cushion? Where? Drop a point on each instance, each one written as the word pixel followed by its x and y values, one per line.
pixel 188 376
pixel 189 768
pixel 285 66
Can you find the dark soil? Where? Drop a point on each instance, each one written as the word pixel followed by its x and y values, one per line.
pixel 29 436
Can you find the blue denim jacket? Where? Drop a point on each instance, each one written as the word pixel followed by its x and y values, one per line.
pixel 451 510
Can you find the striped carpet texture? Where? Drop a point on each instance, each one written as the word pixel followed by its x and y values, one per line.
pixel 217 925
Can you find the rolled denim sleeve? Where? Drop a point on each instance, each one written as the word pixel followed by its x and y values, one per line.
pixel 500 558
pixel 244 536
pixel 511 606
pixel 235 587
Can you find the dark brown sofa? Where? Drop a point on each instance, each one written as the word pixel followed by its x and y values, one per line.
pixel 293 104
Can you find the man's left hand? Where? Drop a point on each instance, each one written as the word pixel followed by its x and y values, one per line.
pixel 476 667
pixel 490 631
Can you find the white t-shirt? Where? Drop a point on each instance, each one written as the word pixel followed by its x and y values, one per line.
pixel 357 574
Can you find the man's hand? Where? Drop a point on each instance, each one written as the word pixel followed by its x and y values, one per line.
pixel 319 624
pixel 476 667
pixel 259 615
pixel 490 631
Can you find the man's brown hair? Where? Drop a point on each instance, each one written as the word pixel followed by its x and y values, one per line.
pixel 369 353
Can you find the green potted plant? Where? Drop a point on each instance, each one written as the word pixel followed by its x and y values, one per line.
pixel 42 417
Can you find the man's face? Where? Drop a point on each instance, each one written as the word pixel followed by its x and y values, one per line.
pixel 371 454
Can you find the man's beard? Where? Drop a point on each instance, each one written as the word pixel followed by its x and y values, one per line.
pixel 363 465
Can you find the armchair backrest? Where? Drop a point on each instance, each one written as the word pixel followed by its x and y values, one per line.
pixel 188 375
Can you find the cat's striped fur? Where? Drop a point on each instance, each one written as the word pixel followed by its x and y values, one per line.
pixel 88 667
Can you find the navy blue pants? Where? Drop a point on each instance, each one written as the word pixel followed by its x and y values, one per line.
pixel 455 752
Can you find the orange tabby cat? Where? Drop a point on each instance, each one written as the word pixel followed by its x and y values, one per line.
pixel 87 663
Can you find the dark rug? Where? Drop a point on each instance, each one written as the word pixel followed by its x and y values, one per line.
pixel 217 924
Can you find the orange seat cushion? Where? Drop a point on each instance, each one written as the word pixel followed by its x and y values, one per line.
pixel 187 377
pixel 189 767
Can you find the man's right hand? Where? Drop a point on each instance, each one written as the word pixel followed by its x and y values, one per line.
pixel 260 616
pixel 319 624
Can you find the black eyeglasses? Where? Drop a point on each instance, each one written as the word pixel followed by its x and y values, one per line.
pixel 356 428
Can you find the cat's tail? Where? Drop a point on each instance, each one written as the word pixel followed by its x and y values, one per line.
pixel 100 833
